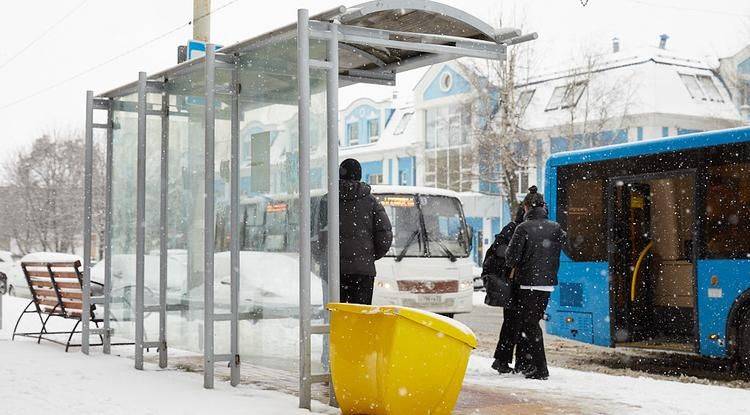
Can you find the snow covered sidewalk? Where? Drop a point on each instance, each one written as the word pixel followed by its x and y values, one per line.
pixel 44 379
pixel 576 392
pixel 50 379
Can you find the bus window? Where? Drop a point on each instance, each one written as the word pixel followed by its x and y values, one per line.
pixel 444 226
pixel 404 215
pixel 727 218
pixel 581 213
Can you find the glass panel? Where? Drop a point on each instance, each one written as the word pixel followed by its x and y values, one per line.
pixel 557 96
pixel 185 207
pixel 444 225
pixel 442 169
pixel 708 86
pixel 454 170
pixel 124 156
pixel 692 85
pixel 581 213
pixel 442 127
pixel 269 261
pixel 727 221
pixel 431 128
pixel 404 215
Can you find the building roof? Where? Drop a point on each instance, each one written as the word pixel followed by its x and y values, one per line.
pixel 648 79
pixel 399 134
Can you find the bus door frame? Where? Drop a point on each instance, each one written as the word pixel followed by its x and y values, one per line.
pixel 610 208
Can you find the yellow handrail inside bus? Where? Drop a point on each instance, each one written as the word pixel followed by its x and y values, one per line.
pixel 637 268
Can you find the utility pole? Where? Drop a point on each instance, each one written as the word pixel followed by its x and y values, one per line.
pixel 202 20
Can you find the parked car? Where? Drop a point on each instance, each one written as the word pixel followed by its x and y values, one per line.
pixel 16 282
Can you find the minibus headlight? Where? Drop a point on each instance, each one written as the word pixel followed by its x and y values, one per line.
pixel 466 285
pixel 384 285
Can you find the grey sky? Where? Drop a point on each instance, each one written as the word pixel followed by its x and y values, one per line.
pixel 102 29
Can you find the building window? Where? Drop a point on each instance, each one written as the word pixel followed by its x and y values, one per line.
pixel 524 99
pixel 701 87
pixel 403 123
pixel 352 131
pixel 446 81
pixel 448 153
pixel 375 179
pixel 565 96
pixel 709 88
pixel 373 130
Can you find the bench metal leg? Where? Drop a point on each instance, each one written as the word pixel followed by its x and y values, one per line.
pixel 25 311
pixel 44 325
pixel 67 344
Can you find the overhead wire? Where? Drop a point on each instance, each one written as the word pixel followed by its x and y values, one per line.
pixel 43 34
pixel 114 58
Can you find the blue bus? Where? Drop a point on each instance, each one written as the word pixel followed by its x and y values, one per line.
pixel 658 253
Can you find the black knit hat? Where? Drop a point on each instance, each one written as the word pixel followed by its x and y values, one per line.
pixel 533 199
pixel 350 169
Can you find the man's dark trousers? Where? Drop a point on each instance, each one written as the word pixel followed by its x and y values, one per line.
pixel 531 306
pixel 356 289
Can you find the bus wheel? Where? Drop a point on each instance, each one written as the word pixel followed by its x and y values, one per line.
pixel 743 354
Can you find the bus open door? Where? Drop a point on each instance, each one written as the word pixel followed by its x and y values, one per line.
pixel 652 227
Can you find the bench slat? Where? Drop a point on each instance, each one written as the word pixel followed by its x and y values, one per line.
pixel 67 304
pixel 48 283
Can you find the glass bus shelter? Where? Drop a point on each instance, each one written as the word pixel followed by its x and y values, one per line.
pixel 215 169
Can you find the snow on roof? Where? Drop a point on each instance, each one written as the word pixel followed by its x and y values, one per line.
pixel 650 77
pixel 430 191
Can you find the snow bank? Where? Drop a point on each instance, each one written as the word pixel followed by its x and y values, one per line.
pixel 49 257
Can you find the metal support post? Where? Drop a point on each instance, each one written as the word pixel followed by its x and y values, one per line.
pixel 163 229
pixel 87 202
pixel 332 129
pixel 234 232
pixel 305 313
pixel 140 214
pixel 332 116
pixel 208 222
pixel 107 346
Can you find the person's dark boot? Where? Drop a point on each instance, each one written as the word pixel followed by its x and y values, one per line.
pixel 501 367
pixel 534 373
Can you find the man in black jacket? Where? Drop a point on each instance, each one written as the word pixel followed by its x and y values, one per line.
pixel 364 234
pixel 534 251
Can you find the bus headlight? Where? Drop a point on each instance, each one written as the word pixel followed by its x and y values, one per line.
pixel 384 285
pixel 466 285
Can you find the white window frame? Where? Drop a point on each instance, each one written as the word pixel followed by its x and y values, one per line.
pixel 566 96
pixel 403 123
pixel 353 138
pixel 373 138
pixel 706 82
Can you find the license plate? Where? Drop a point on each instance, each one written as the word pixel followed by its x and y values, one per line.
pixel 430 299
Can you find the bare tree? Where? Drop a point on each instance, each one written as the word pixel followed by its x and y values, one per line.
pixel 502 147
pixel 42 203
pixel 593 105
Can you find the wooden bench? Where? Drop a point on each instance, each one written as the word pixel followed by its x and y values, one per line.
pixel 56 291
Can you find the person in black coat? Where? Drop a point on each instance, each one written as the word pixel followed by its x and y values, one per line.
pixel 494 267
pixel 534 251
pixel 365 234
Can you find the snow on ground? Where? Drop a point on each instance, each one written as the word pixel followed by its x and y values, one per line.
pixel 45 379
pixel 42 378
pixel 609 394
